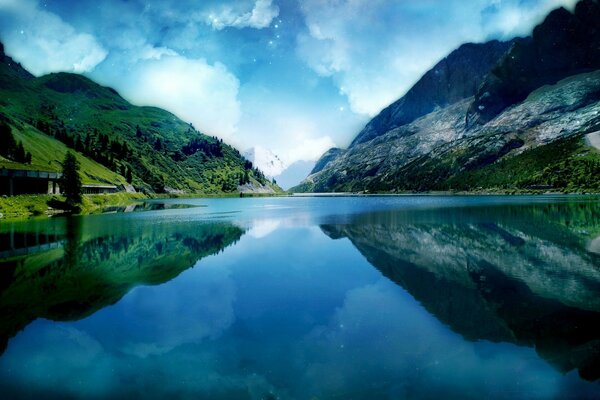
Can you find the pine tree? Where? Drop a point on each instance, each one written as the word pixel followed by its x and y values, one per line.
pixel 7 141
pixel 71 182
pixel 129 176
pixel 19 153
pixel 158 144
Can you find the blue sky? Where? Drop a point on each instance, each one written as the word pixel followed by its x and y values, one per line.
pixel 296 77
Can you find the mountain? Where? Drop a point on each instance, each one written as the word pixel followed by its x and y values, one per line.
pixel 329 155
pixel 456 77
pixel 565 44
pixel 294 174
pixel 523 128
pixel 115 141
pixel 271 165
pixel 265 160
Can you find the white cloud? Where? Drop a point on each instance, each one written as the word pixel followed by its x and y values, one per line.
pixel 43 42
pixel 194 90
pixel 509 18
pixel 259 17
pixel 309 148
pixel 376 50
pixel 293 130
pixel 263 227
pixel 292 136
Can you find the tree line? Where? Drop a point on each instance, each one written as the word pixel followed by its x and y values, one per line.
pixel 10 148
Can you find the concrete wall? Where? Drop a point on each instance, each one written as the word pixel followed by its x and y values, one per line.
pixel 16 181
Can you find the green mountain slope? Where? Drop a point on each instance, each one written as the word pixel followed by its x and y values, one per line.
pixel 116 140
pixel 47 153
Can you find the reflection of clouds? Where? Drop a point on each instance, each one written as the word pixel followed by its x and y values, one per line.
pixel 47 357
pixel 262 228
pixel 51 360
pixel 375 340
pixel 200 306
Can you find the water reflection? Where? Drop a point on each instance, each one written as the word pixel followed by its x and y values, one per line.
pixel 462 301
pixel 524 274
pixel 67 269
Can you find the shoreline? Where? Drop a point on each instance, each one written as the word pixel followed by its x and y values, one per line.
pixel 23 207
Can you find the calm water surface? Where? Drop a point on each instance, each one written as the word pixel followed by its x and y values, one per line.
pixel 306 298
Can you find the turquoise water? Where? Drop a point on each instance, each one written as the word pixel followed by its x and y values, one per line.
pixel 306 298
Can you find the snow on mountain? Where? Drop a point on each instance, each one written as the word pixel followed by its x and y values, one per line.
pixel 265 160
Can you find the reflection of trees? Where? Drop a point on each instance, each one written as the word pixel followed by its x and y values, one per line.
pixel 510 274
pixel 72 242
pixel 96 268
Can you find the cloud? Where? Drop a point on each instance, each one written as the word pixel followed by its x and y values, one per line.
pixel 376 50
pixel 228 15
pixel 263 227
pixel 194 90
pixel 309 148
pixel 291 136
pixel 199 308
pixel 509 18
pixel 383 328
pixel 295 129
pixel 43 42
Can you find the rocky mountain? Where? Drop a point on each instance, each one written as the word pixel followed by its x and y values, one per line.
pixel 115 141
pixel 329 155
pixel 294 174
pixel 456 77
pixel 273 167
pixel 565 44
pixel 523 128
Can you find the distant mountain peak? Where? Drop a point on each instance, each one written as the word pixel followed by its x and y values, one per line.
pixel 265 160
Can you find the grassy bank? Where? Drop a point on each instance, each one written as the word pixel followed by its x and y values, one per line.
pixel 26 206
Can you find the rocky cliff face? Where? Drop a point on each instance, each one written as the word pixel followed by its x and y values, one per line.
pixel 564 44
pixel 456 77
pixel 329 155
pixel 517 131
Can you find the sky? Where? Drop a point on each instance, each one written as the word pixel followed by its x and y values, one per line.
pixel 294 76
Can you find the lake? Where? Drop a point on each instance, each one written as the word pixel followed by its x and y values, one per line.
pixel 306 298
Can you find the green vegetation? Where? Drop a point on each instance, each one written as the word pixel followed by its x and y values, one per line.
pixel 48 154
pixel 567 165
pixel 10 148
pixel 18 207
pixel 71 182
pixel 115 142
pixel 26 206
pixel 97 265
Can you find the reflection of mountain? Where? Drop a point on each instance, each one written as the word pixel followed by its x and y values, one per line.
pixel 95 267
pixel 508 275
